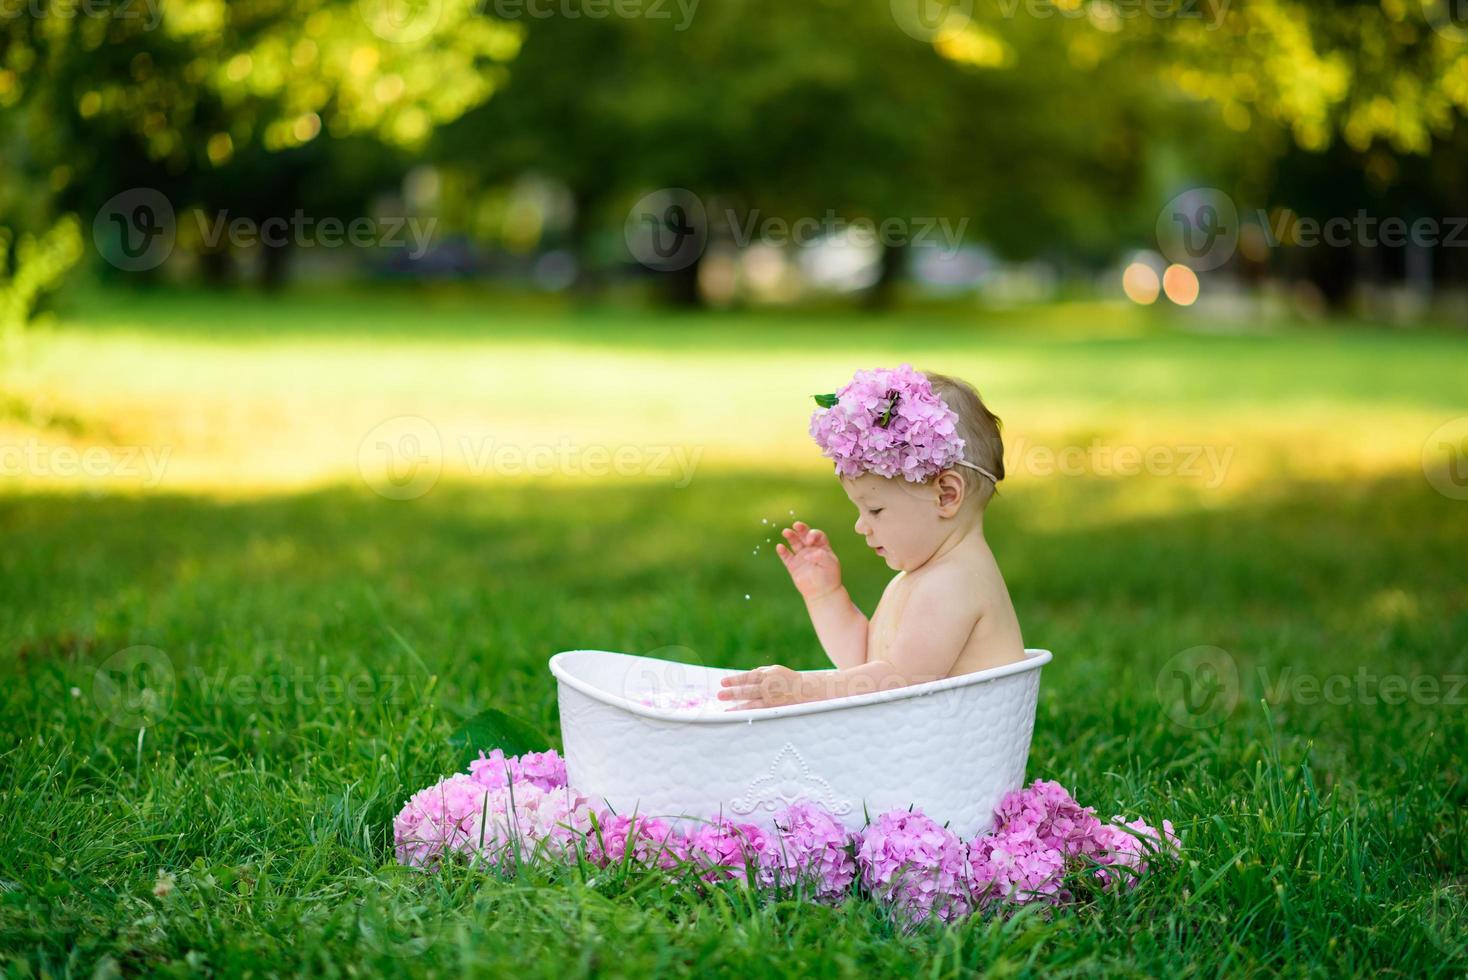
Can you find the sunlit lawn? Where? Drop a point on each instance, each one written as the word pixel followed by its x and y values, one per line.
pixel 1323 836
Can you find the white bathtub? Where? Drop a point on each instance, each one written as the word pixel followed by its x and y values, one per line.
pixel 951 747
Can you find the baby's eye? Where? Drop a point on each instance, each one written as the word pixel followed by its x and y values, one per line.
pixel 874 511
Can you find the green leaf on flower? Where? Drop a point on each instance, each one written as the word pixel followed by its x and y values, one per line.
pixel 493 729
pixel 826 401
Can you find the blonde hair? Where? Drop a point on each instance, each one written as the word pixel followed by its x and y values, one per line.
pixel 979 427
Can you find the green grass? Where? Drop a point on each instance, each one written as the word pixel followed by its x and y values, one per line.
pixel 1321 839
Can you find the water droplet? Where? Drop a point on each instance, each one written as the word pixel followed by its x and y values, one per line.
pixel 746 595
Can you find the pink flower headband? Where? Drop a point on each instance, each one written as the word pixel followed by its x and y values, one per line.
pixel 889 422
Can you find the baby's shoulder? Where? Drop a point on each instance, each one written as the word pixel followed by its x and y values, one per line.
pixel 954 586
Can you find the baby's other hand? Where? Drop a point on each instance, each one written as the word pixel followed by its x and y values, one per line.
pixel 812 565
pixel 767 687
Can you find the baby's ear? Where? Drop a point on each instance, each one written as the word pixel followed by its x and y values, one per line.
pixel 950 489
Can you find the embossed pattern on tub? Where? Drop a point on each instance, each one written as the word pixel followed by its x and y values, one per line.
pixel 952 748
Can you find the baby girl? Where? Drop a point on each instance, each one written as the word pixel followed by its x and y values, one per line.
pixel 920 456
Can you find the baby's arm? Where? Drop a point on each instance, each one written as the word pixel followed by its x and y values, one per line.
pixel 813 567
pixel 934 628
pixel 840 626
pixel 929 637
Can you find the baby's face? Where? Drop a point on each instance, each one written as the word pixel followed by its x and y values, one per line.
pixel 898 518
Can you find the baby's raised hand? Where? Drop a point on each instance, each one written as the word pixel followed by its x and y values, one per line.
pixel 812 565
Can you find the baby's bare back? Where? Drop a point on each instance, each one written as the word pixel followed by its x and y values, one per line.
pixel 968 580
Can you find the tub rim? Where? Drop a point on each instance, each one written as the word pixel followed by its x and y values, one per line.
pixel 1035 658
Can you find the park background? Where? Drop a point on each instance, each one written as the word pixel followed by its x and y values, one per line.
pixel 355 357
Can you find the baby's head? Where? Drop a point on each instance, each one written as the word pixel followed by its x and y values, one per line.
pixel 913 482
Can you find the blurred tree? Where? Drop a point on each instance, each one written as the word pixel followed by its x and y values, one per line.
pixel 1017 131
pixel 1342 108
pixel 37 265
pixel 223 104
pixel 1045 127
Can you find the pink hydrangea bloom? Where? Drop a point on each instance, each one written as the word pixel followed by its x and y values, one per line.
pixel 1116 849
pixel 919 440
pixel 815 847
pixel 544 770
pixel 642 840
pixel 1045 809
pixel 522 817
pixel 1016 867
pixel 686 698
pixel 437 819
pixel 726 850
pixel 508 808
pixel 460 815
pixel 917 866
